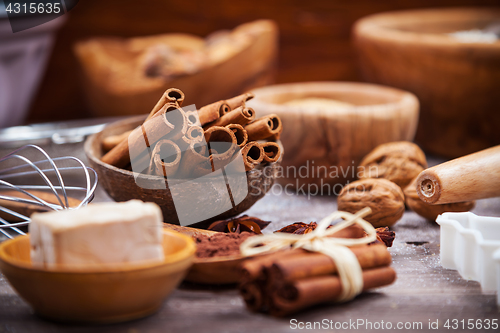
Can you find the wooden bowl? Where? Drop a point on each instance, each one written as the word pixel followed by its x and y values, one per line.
pixel 111 294
pixel 335 140
pixel 457 83
pixel 211 271
pixel 121 185
pixel 112 92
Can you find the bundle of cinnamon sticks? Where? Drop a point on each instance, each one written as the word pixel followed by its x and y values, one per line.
pixel 181 143
pixel 288 281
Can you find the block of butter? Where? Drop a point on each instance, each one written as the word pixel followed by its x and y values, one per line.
pixel 97 235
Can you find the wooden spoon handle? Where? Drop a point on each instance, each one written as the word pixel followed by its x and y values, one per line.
pixel 471 177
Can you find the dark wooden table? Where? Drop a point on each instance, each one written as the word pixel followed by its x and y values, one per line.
pixel 424 292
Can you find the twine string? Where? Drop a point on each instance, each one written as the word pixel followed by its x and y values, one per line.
pixel 320 240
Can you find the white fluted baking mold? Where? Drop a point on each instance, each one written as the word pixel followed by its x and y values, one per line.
pixel 471 245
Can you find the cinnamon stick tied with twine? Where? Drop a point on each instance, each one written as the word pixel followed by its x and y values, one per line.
pixel 268 127
pixel 255 272
pixel 288 281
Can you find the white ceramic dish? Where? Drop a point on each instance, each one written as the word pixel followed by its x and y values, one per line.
pixel 468 244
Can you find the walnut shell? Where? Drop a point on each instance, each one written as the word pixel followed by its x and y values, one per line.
pixel 429 211
pixel 384 197
pixel 398 162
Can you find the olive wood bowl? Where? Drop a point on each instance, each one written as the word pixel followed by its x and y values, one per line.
pixel 121 185
pixel 335 139
pixel 456 82
pixel 113 293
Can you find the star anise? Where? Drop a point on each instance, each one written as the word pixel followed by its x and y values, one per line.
pixel 384 235
pixel 299 228
pixel 240 224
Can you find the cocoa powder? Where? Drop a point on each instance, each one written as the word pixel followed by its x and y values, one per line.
pixel 220 244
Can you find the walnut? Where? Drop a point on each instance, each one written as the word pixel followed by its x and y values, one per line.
pixel 384 197
pixel 398 162
pixel 429 211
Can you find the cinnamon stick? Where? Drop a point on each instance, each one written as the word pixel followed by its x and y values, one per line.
pixel 241 115
pixel 165 159
pixel 294 296
pixel 306 265
pixel 240 133
pixel 272 151
pixel 254 273
pixel 195 162
pixel 163 125
pixel 112 141
pixel 192 118
pixel 254 268
pixel 222 143
pixel 252 154
pixel 268 127
pixel 172 96
pixel 167 107
pixel 212 112
pixel 239 100
pixel 284 282
pixel 193 134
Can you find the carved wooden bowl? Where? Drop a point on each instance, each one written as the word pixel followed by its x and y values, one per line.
pixel 325 145
pixel 457 82
pixel 121 185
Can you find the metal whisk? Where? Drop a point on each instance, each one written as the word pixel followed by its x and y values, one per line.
pixel 32 181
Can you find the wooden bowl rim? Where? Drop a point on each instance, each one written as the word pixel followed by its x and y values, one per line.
pixel 381 27
pixel 184 253
pixel 405 97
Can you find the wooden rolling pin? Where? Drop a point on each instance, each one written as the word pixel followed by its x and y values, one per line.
pixel 471 177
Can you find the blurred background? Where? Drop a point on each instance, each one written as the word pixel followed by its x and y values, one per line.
pixel 314 42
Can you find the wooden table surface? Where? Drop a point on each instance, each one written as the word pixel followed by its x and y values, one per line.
pixel 423 292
